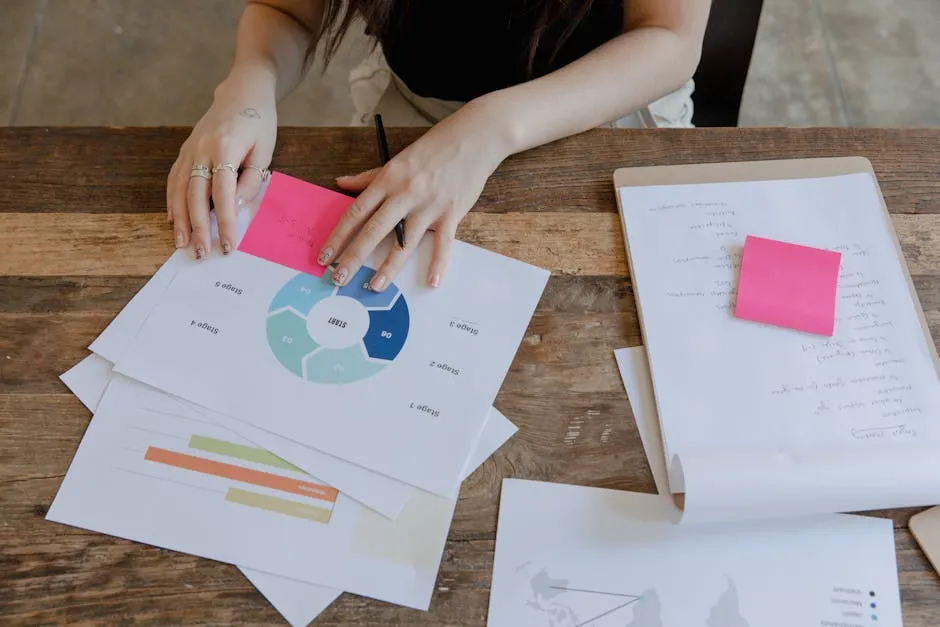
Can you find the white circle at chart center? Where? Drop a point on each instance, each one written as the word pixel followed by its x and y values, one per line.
pixel 338 322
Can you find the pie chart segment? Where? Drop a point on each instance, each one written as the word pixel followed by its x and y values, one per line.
pixel 388 329
pixel 340 365
pixel 289 340
pixel 358 288
pixel 301 293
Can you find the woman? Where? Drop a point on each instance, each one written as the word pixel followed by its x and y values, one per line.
pixel 496 77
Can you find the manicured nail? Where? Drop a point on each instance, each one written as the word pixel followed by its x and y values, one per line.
pixel 345 177
pixel 180 240
pixel 340 276
pixel 378 283
pixel 200 252
pixel 435 280
pixel 226 247
pixel 325 255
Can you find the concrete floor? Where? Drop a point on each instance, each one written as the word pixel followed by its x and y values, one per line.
pixel 139 62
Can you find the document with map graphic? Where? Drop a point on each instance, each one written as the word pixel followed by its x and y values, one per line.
pixel 571 556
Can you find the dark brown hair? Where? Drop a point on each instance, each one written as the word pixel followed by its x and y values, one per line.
pixel 338 16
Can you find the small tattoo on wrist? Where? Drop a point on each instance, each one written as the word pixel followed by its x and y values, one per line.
pixel 250 112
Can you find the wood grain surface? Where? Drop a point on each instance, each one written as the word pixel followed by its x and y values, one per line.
pixel 82 227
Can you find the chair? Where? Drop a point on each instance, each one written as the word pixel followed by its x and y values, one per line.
pixel 726 58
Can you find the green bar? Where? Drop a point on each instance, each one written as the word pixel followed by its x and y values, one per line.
pixel 240 451
pixel 280 506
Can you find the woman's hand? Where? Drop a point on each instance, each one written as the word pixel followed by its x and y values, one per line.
pixel 225 159
pixel 432 185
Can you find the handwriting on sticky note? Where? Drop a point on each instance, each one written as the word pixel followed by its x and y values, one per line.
pixel 788 285
pixel 293 222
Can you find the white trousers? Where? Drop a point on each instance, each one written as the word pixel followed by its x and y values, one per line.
pixel 376 89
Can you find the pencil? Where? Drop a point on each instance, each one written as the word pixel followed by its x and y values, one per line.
pixel 384 158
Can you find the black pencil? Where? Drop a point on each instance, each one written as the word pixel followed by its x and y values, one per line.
pixel 384 158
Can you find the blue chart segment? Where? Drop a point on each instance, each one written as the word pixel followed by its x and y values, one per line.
pixel 331 335
pixel 384 339
pixel 358 288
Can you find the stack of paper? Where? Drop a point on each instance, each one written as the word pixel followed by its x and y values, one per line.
pixel 788 377
pixel 248 411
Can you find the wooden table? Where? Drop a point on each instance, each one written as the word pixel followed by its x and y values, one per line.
pixel 82 226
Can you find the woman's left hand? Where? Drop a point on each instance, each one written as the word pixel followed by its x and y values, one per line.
pixel 432 185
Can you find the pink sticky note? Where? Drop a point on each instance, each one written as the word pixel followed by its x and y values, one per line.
pixel 293 222
pixel 788 285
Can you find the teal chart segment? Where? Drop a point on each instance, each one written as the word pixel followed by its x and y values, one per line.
pixel 325 334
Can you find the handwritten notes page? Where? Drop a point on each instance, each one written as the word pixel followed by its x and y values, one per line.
pixel 757 417
pixel 573 556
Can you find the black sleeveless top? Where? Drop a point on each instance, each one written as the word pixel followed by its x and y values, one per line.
pixel 460 50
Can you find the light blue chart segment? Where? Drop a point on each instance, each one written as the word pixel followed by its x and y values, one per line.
pixel 341 365
pixel 358 288
pixel 388 329
pixel 302 293
pixel 289 340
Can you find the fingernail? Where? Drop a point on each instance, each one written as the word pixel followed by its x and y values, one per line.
pixel 325 256
pixel 343 178
pixel 378 283
pixel 435 280
pixel 200 252
pixel 180 240
pixel 340 276
pixel 226 247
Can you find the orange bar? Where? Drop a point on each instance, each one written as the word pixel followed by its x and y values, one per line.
pixel 240 473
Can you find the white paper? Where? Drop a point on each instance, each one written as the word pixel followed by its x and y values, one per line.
pixel 569 556
pixel 112 488
pixel 733 393
pixel 383 494
pixel 209 345
pixel 297 601
pixel 635 373
pixel 207 341
pixel 88 380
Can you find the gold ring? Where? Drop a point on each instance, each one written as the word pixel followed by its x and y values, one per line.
pixel 225 166
pixel 264 172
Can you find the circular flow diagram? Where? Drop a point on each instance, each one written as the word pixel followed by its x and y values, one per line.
pixel 334 335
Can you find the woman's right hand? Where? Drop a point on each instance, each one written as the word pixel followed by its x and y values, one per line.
pixel 233 143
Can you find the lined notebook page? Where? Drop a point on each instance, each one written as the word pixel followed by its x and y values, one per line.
pixel 726 384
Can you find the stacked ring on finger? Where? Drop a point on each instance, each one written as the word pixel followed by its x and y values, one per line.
pixel 262 171
pixel 201 170
pixel 225 166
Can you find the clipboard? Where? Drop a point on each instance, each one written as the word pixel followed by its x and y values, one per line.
pixel 770 170
pixel 775 170
pixel 925 527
